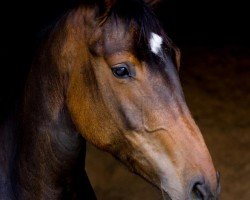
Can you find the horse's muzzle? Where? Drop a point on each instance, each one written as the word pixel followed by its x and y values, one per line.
pixel 199 190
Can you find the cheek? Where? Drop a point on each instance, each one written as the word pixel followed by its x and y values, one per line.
pixel 88 112
pixel 127 102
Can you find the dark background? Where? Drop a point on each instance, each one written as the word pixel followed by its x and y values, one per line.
pixel 207 22
pixel 214 39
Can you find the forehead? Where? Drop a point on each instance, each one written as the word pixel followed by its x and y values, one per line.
pixel 123 37
pixel 118 37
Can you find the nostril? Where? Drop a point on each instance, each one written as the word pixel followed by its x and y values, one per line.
pixel 218 183
pixel 200 189
pixel 218 178
pixel 197 192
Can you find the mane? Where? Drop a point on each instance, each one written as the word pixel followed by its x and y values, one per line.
pixel 131 12
pixel 137 12
pixel 140 15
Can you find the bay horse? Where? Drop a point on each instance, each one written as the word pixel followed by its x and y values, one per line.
pixel 107 74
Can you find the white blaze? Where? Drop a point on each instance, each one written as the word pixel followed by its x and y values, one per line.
pixel 155 43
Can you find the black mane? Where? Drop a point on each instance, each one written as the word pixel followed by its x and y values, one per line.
pixel 136 12
pixel 139 14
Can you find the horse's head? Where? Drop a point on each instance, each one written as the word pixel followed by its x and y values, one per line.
pixel 124 96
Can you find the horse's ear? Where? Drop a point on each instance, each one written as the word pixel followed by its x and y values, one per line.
pixel 152 2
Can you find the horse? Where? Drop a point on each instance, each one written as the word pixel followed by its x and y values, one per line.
pixel 108 74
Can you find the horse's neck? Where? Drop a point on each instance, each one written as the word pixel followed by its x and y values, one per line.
pixel 50 153
pixel 44 162
pixel 51 156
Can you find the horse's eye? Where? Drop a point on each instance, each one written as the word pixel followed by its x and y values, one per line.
pixel 121 71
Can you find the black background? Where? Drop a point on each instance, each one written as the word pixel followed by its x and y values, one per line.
pixel 206 22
